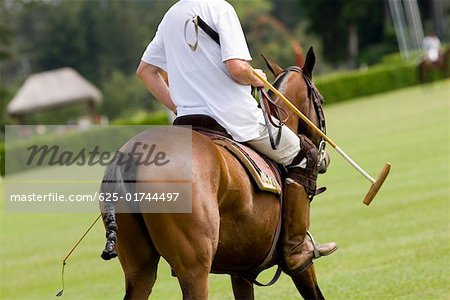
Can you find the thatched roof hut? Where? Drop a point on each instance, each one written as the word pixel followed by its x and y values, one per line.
pixel 52 89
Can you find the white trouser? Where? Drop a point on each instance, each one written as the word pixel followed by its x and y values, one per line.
pixel 287 149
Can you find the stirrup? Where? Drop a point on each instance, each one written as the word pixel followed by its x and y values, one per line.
pixel 316 253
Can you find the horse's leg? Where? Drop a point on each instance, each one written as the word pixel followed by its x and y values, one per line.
pixel 306 283
pixel 194 281
pixel 419 73
pixel 242 288
pixel 188 242
pixel 137 256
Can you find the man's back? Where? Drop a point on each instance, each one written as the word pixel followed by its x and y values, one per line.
pixel 199 80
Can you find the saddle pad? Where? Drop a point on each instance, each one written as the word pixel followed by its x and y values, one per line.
pixel 264 175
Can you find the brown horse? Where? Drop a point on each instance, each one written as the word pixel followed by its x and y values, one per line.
pixel 232 224
pixel 426 68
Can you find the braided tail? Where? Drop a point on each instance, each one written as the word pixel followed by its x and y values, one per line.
pixel 111 229
pixel 119 178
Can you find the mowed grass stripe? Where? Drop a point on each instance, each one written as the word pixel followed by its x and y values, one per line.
pixel 395 249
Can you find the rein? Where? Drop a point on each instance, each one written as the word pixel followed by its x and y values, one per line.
pixel 317 100
pixel 270 110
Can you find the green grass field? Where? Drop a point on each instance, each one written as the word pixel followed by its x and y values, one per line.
pixel 395 249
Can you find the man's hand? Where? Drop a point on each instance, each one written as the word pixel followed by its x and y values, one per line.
pixel 258 82
pixel 242 72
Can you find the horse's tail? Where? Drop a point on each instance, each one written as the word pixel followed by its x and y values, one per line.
pixel 119 179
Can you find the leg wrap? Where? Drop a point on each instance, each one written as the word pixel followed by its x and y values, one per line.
pixel 304 168
pixel 111 228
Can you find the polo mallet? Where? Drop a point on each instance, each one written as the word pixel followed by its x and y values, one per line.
pixel 376 184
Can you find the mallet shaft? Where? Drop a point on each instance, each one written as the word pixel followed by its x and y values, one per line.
pixel 295 109
pixel 354 164
pixel 323 135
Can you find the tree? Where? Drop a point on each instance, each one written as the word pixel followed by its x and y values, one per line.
pixel 98 38
pixel 345 26
pixel 93 37
pixel 5 54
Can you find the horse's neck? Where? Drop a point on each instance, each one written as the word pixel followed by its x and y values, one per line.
pixel 294 89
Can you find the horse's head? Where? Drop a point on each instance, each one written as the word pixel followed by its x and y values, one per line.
pixel 296 85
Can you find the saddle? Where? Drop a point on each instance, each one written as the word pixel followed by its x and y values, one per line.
pixel 266 174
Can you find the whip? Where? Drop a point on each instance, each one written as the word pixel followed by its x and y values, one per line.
pixel 59 294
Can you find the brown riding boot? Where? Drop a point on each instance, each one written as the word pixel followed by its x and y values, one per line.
pixel 298 249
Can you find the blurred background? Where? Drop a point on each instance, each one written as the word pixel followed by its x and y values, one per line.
pixel 103 40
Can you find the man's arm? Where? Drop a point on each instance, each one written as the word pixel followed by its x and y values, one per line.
pixel 241 71
pixel 155 84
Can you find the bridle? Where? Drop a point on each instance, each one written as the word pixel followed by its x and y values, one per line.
pixel 317 101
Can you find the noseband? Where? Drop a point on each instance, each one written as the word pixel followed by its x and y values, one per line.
pixel 317 100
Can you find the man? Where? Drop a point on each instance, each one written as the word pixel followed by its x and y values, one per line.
pixel 216 81
pixel 431 44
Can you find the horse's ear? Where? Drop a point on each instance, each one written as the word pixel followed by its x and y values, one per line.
pixel 273 67
pixel 310 61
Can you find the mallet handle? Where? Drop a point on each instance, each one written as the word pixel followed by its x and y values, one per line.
pixel 323 135
pixel 295 109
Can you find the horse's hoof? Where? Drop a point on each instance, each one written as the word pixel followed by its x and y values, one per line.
pixel 107 255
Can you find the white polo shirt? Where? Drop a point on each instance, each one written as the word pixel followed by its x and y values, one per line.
pixel 432 45
pixel 199 80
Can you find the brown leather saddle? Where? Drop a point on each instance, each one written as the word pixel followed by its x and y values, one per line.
pixel 266 174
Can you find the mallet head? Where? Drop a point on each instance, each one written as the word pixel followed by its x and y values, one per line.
pixel 377 184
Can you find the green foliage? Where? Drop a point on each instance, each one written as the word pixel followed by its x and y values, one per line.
pixel 4 94
pixel 248 12
pixel 290 12
pixel 6 35
pixel 109 138
pixel 372 54
pixel 382 78
pixel 69 114
pixel 93 37
pixel 155 118
pixel 331 21
pixel 124 95
pixel 270 37
pixel 264 33
pixel 2 159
